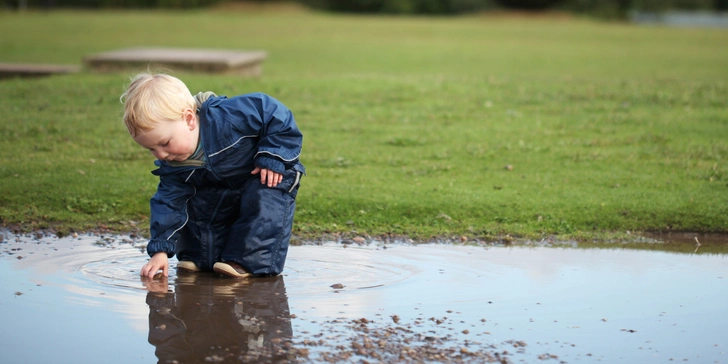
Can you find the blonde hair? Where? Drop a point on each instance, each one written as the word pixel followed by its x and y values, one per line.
pixel 151 98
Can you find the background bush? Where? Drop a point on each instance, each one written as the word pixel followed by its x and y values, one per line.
pixel 529 4
pixel 600 8
pixel 401 6
pixel 124 4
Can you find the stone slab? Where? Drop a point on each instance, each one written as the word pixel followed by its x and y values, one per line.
pixel 8 70
pixel 247 63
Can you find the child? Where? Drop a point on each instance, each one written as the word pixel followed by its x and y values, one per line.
pixel 229 173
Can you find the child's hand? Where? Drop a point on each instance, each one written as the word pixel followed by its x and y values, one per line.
pixel 158 261
pixel 268 177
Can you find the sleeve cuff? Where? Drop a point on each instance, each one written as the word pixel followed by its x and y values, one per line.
pixel 159 301
pixel 270 163
pixel 157 246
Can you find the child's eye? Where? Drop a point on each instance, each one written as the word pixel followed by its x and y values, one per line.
pixel 166 144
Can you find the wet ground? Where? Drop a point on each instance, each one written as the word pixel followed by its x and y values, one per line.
pixel 79 299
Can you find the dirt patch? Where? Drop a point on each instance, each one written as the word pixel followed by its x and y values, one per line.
pixel 365 340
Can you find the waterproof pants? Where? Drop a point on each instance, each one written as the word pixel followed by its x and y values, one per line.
pixel 250 226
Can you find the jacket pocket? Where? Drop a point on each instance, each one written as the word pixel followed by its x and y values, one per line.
pixel 296 182
pixel 291 181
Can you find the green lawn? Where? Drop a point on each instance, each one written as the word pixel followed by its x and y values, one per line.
pixel 409 123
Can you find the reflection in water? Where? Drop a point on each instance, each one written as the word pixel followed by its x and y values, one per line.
pixel 210 319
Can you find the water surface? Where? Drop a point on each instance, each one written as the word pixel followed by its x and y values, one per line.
pixel 80 300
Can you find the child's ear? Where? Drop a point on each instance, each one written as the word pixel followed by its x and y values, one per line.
pixel 190 117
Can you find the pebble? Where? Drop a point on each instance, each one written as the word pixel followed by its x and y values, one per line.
pixel 387 342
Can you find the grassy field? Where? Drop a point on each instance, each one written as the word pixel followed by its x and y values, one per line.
pixel 481 126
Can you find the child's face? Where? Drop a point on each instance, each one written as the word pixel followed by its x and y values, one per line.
pixel 172 140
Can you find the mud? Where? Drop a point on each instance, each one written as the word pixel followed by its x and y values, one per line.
pixel 79 299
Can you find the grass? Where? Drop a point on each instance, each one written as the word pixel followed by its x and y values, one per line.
pixel 419 126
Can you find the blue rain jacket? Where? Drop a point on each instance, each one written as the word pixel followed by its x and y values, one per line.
pixel 237 134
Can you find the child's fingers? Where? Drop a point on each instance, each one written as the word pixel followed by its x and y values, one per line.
pixel 147 269
pixel 268 177
pixel 151 270
pixel 275 179
pixel 154 271
pixel 263 175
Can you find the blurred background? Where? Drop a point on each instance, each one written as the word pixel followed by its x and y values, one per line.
pixel 640 10
pixel 422 117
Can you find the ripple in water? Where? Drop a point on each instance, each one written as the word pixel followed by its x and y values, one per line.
pixel 116 261
pixel 118 272
pixel 309 269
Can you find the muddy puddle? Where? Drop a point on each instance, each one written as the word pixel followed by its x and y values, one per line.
pixel 80 300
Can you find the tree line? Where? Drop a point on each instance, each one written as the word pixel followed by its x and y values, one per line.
pixel 597 7
pixel 601 8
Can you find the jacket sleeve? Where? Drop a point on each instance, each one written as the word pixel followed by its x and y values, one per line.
pixel 168 214
pixel 280 140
